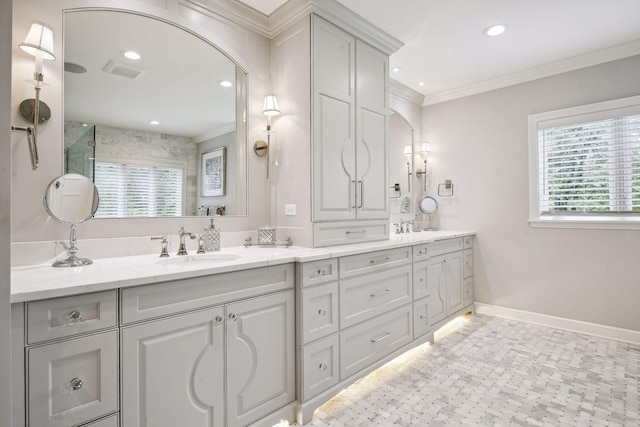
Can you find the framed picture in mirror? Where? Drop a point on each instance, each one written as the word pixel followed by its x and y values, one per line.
pixel 213 173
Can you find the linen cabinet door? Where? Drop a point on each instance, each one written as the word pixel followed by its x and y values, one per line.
pixel 260 357
pixel 437 284
pixel 372 134
pixel 173 371
pixel 334 171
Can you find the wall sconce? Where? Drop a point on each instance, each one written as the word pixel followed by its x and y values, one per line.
pixel 408 152
pixel 270 109
pixel 424 149
pixel 39 43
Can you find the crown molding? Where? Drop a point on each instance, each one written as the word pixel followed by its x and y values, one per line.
pixel 559 67
pixel 236 13
pixel 405 92
pixel 231 127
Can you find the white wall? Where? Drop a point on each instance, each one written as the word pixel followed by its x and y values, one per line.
pixel 5 174
pixel 480 142
pixel 30 222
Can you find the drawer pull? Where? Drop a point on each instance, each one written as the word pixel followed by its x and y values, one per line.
pixel 422 279
pixel 356 232
pixel 323 366
pixel 321 272
pixel 422 316
pixel 233 316
pixel 322 312
pixel 76 384
pixel 386 291
pixel 75 316
pixel 387 335
pixel 219 319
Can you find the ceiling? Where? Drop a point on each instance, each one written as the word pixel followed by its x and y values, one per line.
pixel 447 51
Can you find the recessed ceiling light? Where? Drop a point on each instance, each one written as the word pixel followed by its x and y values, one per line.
pixel 154 122
pixel 421 83
pixel 131 54
pixel 225 83
pixel 495 30
pixel 396 69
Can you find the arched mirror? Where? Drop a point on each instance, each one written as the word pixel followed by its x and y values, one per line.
pixel 429 206
pixel 71 199
pixel 146 105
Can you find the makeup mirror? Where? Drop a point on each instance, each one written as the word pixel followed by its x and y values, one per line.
pixel 71 199
pixel 429 206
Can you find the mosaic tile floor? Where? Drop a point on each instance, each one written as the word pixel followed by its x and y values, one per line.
pixel 497 372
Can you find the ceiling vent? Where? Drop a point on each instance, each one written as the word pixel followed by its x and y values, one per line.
pixel 124 70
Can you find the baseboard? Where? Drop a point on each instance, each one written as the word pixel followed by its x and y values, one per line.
pixel 595 329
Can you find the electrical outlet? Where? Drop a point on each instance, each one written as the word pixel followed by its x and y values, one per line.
pixel 290 210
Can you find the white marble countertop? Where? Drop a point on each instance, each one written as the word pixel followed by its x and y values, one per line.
pixel 34 282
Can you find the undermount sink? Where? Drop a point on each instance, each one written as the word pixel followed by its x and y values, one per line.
pixel 197 258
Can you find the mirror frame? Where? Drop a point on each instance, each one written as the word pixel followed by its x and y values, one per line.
pixel 242 130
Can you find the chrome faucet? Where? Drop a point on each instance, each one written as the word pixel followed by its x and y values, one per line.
pixel 182 250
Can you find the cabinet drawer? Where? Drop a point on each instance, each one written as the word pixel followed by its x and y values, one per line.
pixel 421 252
pixel 421 324
pixel 320 366
pixel 367 296
pixel 468 291
pixel 62 317
pixel 163 299
pixel 318 272
pixel 319 312
pixel 374 261
pixel 467 242
pixel 343 233
pixel 105 422
pixel 368 342
pixel 74 381
pixel 445 246
pixel 467 267
pixel 420 284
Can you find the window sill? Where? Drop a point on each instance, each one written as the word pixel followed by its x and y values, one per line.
pixel 620 223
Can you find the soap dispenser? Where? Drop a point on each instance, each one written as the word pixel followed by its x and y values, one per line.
pixel 417 224
pixel 211 238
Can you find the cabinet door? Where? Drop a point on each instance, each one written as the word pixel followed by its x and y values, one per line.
pixel 173 371
pixel 260 357
pixel 372 147
pixel 334 170
pixel 455 290
pixel 437 283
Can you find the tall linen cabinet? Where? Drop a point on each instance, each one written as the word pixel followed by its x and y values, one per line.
pixel 333 136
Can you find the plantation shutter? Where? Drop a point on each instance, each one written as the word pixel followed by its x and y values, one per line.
pixel 129 190
pixel 590 167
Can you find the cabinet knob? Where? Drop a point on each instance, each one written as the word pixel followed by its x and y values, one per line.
pixel 321 272
pixel 422 317
pixel 422 279
pixel 76 384
pixel 75 316
pixel 322 312
pixel 233 316
pixel 323 366
pixel 219 319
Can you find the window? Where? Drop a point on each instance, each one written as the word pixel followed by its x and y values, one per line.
pixel 138 188
pixel 585 165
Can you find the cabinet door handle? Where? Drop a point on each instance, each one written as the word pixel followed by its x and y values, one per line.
pixel 385 336
pixel 355 195
pixel 361 194
pixel 386 291
pixel 233 316
pixel 323 366
pixel 219 319
pixel 322 312
pixel 75 316
pixel 76 384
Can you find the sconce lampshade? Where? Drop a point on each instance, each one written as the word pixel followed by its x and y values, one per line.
pixel 271 107
pixel 407 150
pixel 424 148
pixel 39 39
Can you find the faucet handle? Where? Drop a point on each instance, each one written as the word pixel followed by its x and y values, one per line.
pixel 164 244
pixel 201 245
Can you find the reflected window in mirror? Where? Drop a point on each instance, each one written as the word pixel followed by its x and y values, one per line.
pixel 138 124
